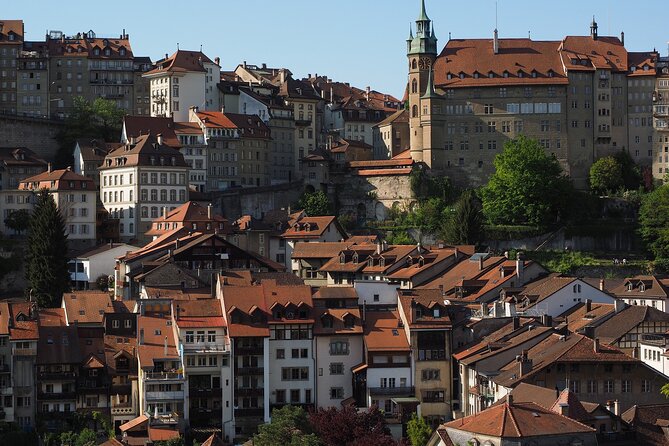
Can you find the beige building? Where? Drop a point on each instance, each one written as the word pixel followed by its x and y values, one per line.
pixel 391 136
pixel 32 81
pixel 574 96
pixel 11 40
pixel 661 121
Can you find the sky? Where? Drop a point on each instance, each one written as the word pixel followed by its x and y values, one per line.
pixel 358 41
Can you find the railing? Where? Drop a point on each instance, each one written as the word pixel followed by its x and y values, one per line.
pixel 24 351
pixel 163 376
pixel 6 391
pixel 167 395
pixel 207 348
pixel 123 410
pixel 249 392
pixel 391 391
pixel 246 371
pixel 303 122
pixel 56 396
pixel 57 375
pixel 200 392
pixel 249 350
pixel 250 412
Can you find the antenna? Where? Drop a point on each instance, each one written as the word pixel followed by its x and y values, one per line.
pixel 177 46
pixel 495 14
pixel 529 35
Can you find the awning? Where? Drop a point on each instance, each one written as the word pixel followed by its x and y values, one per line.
pixel 359 368
pixel 406 400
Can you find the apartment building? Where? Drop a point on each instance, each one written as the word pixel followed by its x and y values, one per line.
pixel 141 86
pixel 204 347
pixel 23 339
pixel 194 150
pixel 193 216
pixel 310 229
pixel 32 80
pixel 184 79
pixel 661 120
pixel 139 180
pixel 89 155
pixel 572 95
pixel 15 164
pixel 11 41
pixel 75 197
pixel 338 344
pixel 390 137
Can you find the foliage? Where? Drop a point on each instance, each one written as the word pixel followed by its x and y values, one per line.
pixel 631 173
pixel 427 217
pixel 102 282
pixel 289 426
pixel 177 441
pixel 512 232
pixel 606 174
pixel 464 225
pixel 528 186
pixel 99 119
pixel 424 186
pixel 399 237
pixel 315 204
pixel 348 427
pixel 665 390
pixel 85 437
pixel 11 434
pixel 19 220
pixel 654 221
pixel 46 260
pixel 418 431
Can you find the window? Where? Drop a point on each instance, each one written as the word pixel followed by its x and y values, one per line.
pixel 645 386
pixel 430 374
pixel 336 393
pixel 336 368
pixel 280 353
pixel 609 386
pixel 488 109
pixel 295 373
pixel 592 386
pixel 280 396
pixel 339 348
pixel 627 386
pixel 575 386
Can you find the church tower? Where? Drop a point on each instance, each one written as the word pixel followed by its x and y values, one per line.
pixel 421 53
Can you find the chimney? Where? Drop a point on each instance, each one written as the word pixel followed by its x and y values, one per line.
pixel 622 37
pixel 616 407
pixel 244 64
pixel 209 211
pixel 217 61
pixel 595 345
pixel 159 138
pixel 506 254
pixel 456 253
pixel 546 320
pixel 484 309
pixel 264 65
pixel 176 316
pixel 441 289
pixel 165 349
pixel 619 305
pixel 367 91
pixel 589 331
pixel 141 336
pixel 480 263
pixel 495 42
pixel 609 406
pixel 525 364
pixel 509 399
pixel 379 246
pixel 564 409
pixel 520 267
pixel 164 212
pixel 331 94
pixel 516 322
pixel 601 285
pixel 48 167
pixel 282 75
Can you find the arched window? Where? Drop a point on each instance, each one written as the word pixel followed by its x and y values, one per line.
pixel 414 64
pixel 414 111
pixel 414 86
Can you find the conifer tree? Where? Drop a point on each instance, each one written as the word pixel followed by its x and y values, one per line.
pixel 46 260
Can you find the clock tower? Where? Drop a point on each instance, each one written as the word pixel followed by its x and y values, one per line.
pixel 421 53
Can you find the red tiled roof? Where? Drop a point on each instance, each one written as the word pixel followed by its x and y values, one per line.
pixel 309 227
pixel 14 27
pixel 145 151
pixel 63 179
pixel 136 126
pixel 384 333
pixel 181 61
pixel 87 307
pixel 428 301
pixel 155 330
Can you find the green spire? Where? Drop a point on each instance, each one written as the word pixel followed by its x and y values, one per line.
pixel 410 32
pixel 423 15
pixel 429 88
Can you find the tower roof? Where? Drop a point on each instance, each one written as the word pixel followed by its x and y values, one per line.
pixel 429 89
pixel 423 16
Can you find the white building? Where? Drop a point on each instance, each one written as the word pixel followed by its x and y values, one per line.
pixel 141 180
pixel 194 150
pixel 182 80
pixel 311 229
pixel 75 197
pixel 87 267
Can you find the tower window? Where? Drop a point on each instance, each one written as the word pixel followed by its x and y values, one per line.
pixel 414 111
pixel 414 86
pixel 414 64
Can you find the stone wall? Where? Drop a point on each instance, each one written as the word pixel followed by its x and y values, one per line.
pixel 256 201
pixel 372 195
pixel 36 134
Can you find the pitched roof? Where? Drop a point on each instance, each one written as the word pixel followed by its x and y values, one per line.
pixel 322 250
pixel 383 332
pixel 87 307
pixel 135 422
pixel 181 61
pixel 309 227
pixel 4 318
pixel 467 269
pixel 144 151
pixel 158 333
pixel 199 313
pixel 213 440
pixel 93 150
pixel 14 27
pixel 104 248
pixel 336 316
pixel 642 287
pixel 427 300
pixel 624 321
pixel 20 156
pixel 400 116
pixel 136 126
pixel 585 313
pixel 646 421
pixel 62 179
pixel 519 420
pixel 247 300
pixel 58 345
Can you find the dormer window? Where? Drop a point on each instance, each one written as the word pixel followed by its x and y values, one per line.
pixel 436 313
pixel 370 262
pixel 630 287
pixel 122 51
pixel 642 287
pixel 107 52
pixel 476 74
pixel 96 51
pixel 327 321
pixel 462 75
pixel 355 257
pixel 419 312
pixel 551 73
pixel 382 262
pixel 491 74
pixel 520 73
pixel 342 258
pixel 505 74
pixel 349 320
pixel 449 76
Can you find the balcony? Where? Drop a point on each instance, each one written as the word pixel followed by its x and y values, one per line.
pixel 246 371
pixel 207 348
pixel 164 396
pixel 121 389
pixel 122 408
pixel 204 393
pixel 250 392
pixel 62 375
pixel 56 396
pixel 391 391
pixel 163 376
pixel 303 122
pixel 661 110
pixel 249 350
pixel 24 351
pixel 87 385
pixel 6 391
pixel 250 412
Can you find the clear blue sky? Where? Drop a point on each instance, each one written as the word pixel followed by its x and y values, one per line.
pixel 356 41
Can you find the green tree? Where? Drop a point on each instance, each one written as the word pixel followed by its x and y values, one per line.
pixel 46 260
pixel 289 426
pixel 418 431
pixel 19 220
pixel 465 225
pixel 315 204
pixel 427 217
pixel 99 119
pixel 654 221
pixel 176 441
pixel 606 174
pixel 631 173
pixel 528 186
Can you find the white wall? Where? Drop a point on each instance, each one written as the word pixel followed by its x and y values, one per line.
pixel 324 380
pixel 368 288
pixel 566 298
pixel 275 366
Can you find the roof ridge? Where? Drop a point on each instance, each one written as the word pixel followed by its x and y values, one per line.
pixel 513 420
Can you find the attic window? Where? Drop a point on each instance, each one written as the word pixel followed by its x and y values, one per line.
pixel 534 73
pixel 491 74
pixel 122 51
pixel 630 287
pixel 505 74
pixel 382 262
pixel 642 287
pixel 520 73
pixel 449 76
pixel 645 68
pixel 395 332
pixel 157 332
pixel 551 73
pixel 462 75
pixel 476 74
pixel 82 312
pixel 327 321
pixel 370 262
pixel 436 313
pixel 342 258
pixel 355 257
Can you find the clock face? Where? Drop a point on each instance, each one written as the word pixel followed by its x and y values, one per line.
pixel 424 63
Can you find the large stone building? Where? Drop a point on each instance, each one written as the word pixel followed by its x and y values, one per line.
pixel 11 40
pixel 582 97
